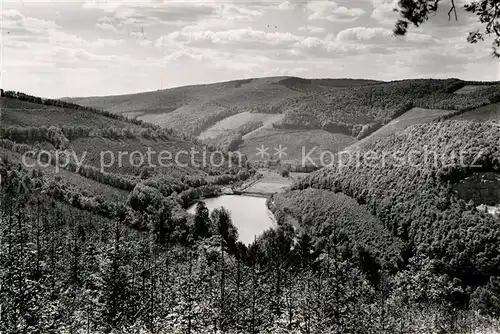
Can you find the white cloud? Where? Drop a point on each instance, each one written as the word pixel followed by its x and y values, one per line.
pixel 16 21
pixel 313 46
pixel 143 42
pixel 331 11
pixel 381 36
pixel 216 59
pixel 108 42
pixel 276 45
pixel 16 44
pixel 383 11
pixel 243 38
pixel 312 29
pixel 286 5
pixel 233 12
pixel 107 26
pixel 24 29
pixel 107 6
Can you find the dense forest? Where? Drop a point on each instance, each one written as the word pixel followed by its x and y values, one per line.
pixel 417 202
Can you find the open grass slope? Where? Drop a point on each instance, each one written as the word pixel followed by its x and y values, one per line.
pixel 270 182
pixel 467 89
pixel 414 116
pixel 483 114
pixel 228 125
pixel 415 196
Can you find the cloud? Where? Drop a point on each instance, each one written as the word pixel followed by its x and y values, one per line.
pixel 286 5
pixel 312 29
pixel 233 12
pixel 383 11
pixel 223 40
pixel 241 38
pixel 320 48
pixel 381 36
pixel 108 42
pixel 331 11
pixel 107 26
pixel 62 38
pixel 73 57
pixel 24 29
pixel 216 59
pixel 15 22
pixel 107 6
pixel 276 45
pixel 148 13
pixel 143 42
pixel 16 44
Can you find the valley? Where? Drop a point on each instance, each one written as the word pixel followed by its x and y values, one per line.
pixel 253 202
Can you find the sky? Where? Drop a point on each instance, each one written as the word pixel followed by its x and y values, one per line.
pixel 104 47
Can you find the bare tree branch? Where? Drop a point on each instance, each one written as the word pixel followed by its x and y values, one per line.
pixel 453 9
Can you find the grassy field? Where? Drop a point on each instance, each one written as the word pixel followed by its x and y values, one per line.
pixel 271 182
pixel 467 89
pixel 229 124
pixel 483 114
pixel 413 117
pixel 295 143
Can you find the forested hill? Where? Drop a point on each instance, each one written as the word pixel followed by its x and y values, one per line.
pixel 77 150
pixel 334 105
pixel 415 194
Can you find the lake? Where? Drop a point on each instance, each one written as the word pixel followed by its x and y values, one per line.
pixel 249 214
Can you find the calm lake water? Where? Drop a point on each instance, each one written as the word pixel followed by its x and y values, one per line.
pixel 250 214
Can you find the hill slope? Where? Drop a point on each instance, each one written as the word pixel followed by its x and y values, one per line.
pixel 107 163
pixel 336 105
pixel 413 192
